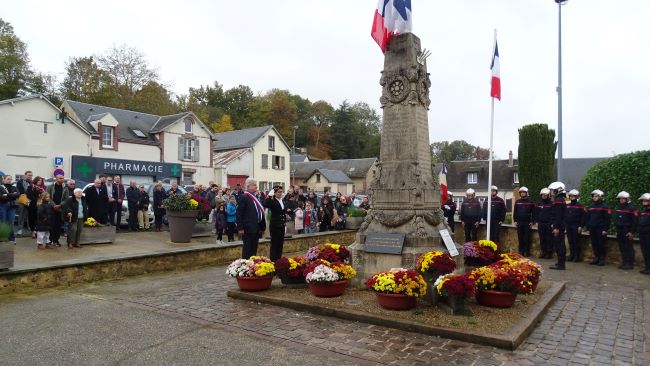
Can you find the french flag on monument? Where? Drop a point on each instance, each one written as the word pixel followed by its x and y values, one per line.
pixel 392 17
pixel 495 91
pixel 442 180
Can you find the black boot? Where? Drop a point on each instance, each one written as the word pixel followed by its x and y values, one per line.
pixel 627 266
pixel 601 262
pixel 645 271
pixel 559 266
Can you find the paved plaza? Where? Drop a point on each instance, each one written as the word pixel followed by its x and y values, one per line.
pixel 185 318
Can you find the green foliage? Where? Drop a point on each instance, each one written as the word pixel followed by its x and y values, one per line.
pixel 536 157
pixel 625 172
pixel 445 151
pixel 16 75
pixel 5 230
pixel 179 202
pixel 356 212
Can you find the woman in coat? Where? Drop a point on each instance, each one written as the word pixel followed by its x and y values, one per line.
pixel 326 214
pixel 44 221
pixel 34 194
pixel 278 221
pixel 8 205
pixel 159 196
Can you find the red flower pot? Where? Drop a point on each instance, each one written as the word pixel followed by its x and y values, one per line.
pixel 495 299
pixel 331 289
pixel 396 301
pixel 252 284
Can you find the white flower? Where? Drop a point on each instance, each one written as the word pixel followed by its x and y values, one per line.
pixel 322 273
pixel 241 268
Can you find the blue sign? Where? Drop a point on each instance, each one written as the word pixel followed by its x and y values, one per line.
pixel 58 161
pixel 58 172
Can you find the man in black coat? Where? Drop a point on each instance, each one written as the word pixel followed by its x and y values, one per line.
pixel 523 220
pixel 97 201
pixel 251 223
pixel 597 220
pixel 497 214
pixel 133 199
pixel 558 213
pixel 449 209
pixel 279 212
pixel 470 215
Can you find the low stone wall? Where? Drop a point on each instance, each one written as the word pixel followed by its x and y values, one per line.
pixel 174 259
pixel 509 239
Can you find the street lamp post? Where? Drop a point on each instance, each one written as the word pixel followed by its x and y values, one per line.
pixel 560 171
pixel 293 148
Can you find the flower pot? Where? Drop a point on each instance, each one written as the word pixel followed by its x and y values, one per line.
pixel 287 280
pixel 181 225
pixel 495 299
pixel 353 223
pixel 396 301
pixel 457 304
pixel 330 289
pixel 97 235
pixel 6 255
pixel 252 284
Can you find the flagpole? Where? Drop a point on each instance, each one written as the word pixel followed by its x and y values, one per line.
pixel 489 190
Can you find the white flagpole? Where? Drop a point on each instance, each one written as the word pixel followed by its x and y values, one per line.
pixel 489 190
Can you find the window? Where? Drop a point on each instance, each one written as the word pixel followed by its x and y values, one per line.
pixel 265 161
pixel 515 177
pixel 44 127
pixel 107 136
pixel 264 186
pixel 188 151
pixel 139 133
pixel 188 125
pixel 472 178
pixel 271 143
pixel 317 178
pixel 188 178
pixel 278 162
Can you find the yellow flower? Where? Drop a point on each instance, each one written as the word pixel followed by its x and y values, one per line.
pixel 193 203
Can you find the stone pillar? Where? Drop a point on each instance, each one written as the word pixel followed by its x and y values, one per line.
pixel 404 197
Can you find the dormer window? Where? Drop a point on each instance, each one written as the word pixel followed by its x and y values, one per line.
pixel 107 137
pixel 188 125
pixel 139 133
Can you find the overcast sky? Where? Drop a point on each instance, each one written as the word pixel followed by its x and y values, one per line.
pixel 323 50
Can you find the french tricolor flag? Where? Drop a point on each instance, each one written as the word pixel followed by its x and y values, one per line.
pixel 442 180
pixel 392 17
pixel 495 91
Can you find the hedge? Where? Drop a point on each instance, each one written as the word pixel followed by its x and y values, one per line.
pixel 536 157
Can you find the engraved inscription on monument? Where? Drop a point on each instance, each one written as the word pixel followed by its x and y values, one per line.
pixel 386 243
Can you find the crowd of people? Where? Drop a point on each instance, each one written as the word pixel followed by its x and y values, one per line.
pixel 559 214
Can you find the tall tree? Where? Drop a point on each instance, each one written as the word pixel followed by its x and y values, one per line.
pixel 445 151
pixel 319 137
pixel 153 98
pixel 15 72
pixel 343 134
pixel 239 104
pixel 536 156
pixel 368 129
pixel 85 82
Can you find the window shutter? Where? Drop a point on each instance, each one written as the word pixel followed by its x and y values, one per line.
pixel 100 130
pixel 265 161
pixel 196 150
pixel 116 136
pixel 181 147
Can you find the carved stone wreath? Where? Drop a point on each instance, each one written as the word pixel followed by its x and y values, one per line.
pixel 397 89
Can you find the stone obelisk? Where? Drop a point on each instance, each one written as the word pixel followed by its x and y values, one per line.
pixel 404 197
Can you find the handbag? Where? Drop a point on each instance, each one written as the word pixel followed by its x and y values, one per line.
pixel 23 200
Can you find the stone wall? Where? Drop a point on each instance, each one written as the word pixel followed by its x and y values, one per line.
pixel 509 239
pixel 179 259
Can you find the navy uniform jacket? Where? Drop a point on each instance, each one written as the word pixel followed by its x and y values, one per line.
pixel 542 213
pixel 498 212
pixel 470 211
pixel 558 212
pixel 644 221
pixel 524 211
pixel 598 216
pixel 449 212
pixel 278 214
pixel 575 214
pixel 626 218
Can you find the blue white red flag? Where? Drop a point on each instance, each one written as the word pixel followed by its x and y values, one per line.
pixel 495 90
pixel 442 180
pixel 392 17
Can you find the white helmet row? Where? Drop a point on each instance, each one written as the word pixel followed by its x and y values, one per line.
pixel 556 186
pixel 523 189
pixel 623 194
pixel 645 196
pixel 545 191
pixel 597 192
pixel 470 191
pixel 574 192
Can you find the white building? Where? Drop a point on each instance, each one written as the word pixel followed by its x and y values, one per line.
pixel 258 152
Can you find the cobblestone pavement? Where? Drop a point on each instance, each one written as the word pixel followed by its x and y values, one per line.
pixel 598 320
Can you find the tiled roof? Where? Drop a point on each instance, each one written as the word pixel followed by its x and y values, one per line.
pixel 334 176
pixel 353 168
pixel 225 157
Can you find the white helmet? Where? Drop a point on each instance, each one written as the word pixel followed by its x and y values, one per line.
pixel 623 194
pixel 449 194
pixel 597 192
pixel 545 191
pixel 574 192
pixel 557 186
pixel 645 196
pixel 470 191
pixel 523 189
pixel 494 188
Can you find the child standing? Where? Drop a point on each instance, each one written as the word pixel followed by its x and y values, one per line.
pixel 309 218
pixel 220 222
pixel 231 218
pixel 299 212
pixel 44 220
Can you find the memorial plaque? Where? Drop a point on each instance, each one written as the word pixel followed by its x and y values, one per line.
pixel 386 243
pixel 449 242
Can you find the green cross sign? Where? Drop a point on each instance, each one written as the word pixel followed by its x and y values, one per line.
pixel 175 170
pixel 85 169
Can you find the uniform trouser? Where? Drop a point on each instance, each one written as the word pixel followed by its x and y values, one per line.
pixel 55 229
pixel 523 234
pixel 450 222
pixel 495 232
pixel 74 231
pixel 143 219
pixel 470 231
pixel 560 246
pixel 277 242
pixel 545 239
pixel 251 242
pixel 573 234
pixel 598 242
pixel 645 247
pixel 625 245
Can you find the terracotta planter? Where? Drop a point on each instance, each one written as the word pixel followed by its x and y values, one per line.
pixel 332 289
pixel 495 299
pixel 181 225
pixel 253 284
pixel 97 235
pixel 396 301
pixel 287 280
pixel 202 229
pixel 6 255
pixel 353 223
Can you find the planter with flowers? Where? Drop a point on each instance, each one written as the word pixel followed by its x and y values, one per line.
pixel 432 265
pixel 96 233
pixel 253 274
pixel 328 279
pixel 329 252
pixel 291 270
pixel 455 289
pixel 499 284
pixel 530 271
pixel 181 214
pixel 479 253
pixel 397 289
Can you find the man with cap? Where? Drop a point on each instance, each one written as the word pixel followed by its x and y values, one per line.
pixel 626 221
pixel 542 216
pixel 449 209
pixel 644 231
pixel 574 220
pixel 597 220
pixel 497 214
pixel 75 211
pixel 523 218
pixel 470 215
pixel 558 213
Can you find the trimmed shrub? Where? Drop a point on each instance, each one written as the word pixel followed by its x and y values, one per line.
pixel 536 157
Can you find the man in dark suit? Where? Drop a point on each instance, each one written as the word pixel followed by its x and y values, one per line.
pixel 250 219
pixel 97 201
pixel 119 196
pixel 133 198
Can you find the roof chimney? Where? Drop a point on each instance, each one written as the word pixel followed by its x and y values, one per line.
pixel 510 160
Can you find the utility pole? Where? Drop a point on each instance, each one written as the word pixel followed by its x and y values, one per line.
pixel 560 164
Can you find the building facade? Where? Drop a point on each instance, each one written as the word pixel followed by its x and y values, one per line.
pixel 359 171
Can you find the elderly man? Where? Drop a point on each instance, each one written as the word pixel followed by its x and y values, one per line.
pixel 75 211
pixel 119 196
pixel 250 219
pixel 133 199
pixel 58 194
pixel 70 186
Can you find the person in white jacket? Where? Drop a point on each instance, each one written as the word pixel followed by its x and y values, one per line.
pixel 300 214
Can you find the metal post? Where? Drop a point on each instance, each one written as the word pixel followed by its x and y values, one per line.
pixel 293 148
pixel 559 92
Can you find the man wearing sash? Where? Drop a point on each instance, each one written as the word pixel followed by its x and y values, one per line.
pixel 250 219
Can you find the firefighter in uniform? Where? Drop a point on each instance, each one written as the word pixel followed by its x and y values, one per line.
pixel 523 219
pixel 574 220
pixel 626 221
pixel 597 220
pixel 449 209
pixel 558 213
pixel 542 217
pixel 644 231
pixel 470 215
pixel 497 214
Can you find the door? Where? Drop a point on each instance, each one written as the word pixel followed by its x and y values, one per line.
pixel 233 180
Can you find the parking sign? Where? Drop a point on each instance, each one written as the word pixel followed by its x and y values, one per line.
pixel 58 161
